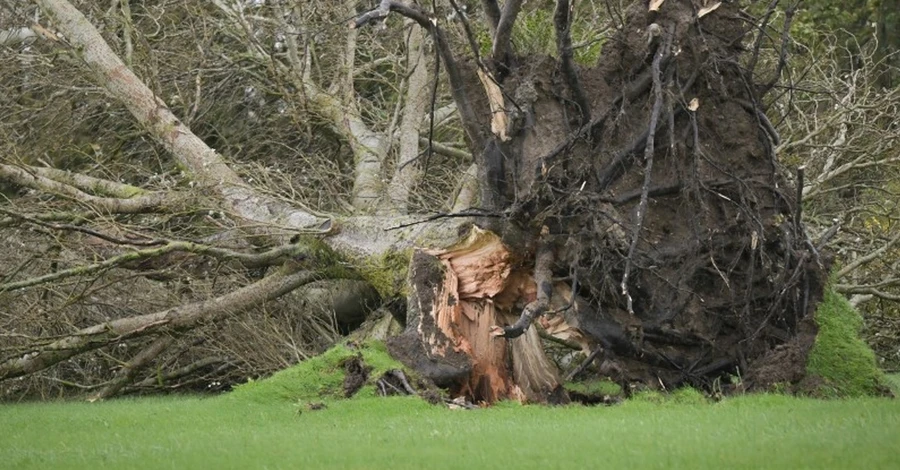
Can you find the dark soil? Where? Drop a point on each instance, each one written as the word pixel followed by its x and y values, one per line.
pixel 702 228
pixel 357 374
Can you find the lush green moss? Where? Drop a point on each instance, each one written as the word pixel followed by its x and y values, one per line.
pixel 688 396
pixel 320 377
pixel 893 381
pixel 839 356
pixel 598 388
pixel 387 274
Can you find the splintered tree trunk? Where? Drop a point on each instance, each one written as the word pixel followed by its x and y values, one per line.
pixel 457 295
pixel 637 209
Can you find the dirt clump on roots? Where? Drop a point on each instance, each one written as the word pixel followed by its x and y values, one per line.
pixel 356 375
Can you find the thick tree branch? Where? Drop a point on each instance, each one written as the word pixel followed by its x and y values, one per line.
pixel 204 163
pixel 415 104
pixel 337 105
pixel 249 260
pixel 502 37
pixel 562 21
pixel 136 203
pixel 863 290
pixel 177 319
pixel 89 184
pixel 491 14
pixel 457 84
pixel 15 36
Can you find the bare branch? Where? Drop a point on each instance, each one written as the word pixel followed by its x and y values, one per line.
pixel 785 45
pixel 168 321
pixel 562 21
pixel 503 35
pixel 853 266
pixel 131 368
pixel 267 258
pixel 90 184
pixel 457 84
pixel 866 291
pixel 80 229
pixel 180 372
pixel 446 150
pixel 470 35
pixel 140 203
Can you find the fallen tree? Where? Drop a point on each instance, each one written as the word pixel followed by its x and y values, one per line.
pixel 633 210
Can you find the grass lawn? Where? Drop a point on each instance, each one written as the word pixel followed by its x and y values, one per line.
pixel 764 431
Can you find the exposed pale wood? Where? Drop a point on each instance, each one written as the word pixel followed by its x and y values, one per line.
pixel 480 289
pixel 499 119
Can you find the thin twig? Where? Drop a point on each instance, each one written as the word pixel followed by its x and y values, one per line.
pixel 648 168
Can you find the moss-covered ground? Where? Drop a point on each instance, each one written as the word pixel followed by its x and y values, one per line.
pixel 320 377
pixel 840 356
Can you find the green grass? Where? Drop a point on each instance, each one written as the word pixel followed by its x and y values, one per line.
pixel 268 424
pixel 765 431
pixel 596 387
pixel 840 356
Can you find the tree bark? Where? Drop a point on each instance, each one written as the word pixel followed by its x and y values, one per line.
pixel 408 170
pixel 167 321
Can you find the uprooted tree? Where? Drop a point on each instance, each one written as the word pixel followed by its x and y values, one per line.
pixel 634 210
